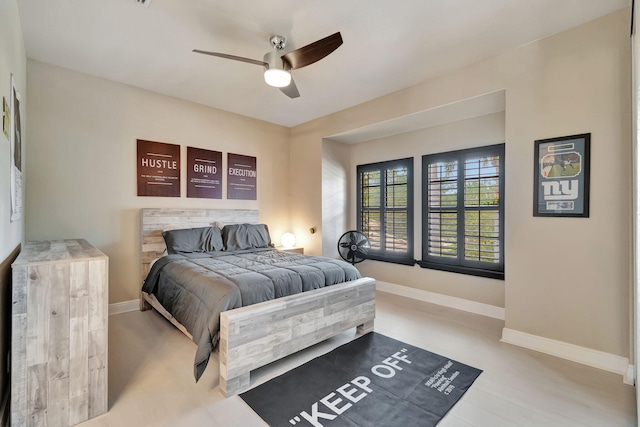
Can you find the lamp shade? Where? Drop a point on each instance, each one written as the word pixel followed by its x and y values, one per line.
pixel 288 240
pixel 277 78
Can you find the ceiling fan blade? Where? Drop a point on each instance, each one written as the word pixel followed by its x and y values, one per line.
pixel 235 58
pixel 291 91
pixel 313 52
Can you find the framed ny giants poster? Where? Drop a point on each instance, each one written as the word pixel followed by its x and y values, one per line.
pixel 561 176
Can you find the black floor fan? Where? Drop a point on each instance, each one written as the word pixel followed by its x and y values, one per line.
pixel 353 246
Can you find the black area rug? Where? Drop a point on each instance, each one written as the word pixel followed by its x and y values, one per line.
pixel 371 381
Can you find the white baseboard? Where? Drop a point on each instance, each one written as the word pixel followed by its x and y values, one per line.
pixel 434 298
pixel 597 359
pixel 586 356
pixel 630 375
pixel 124 307
pixel 445 300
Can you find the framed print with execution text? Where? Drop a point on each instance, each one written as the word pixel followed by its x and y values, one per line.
pixel 242 177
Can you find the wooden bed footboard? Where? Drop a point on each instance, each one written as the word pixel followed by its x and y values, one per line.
pixel 253 336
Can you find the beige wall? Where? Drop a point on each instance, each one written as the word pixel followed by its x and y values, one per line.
pixel 483 130
pixel 578 81
pixel 336 194
pixel 13 60
pixel 82 163
pixel 566 279
pixel 306 184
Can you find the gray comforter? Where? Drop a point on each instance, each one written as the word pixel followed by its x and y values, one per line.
pixel 195 288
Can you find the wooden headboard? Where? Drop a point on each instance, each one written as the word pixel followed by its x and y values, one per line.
pixel 155 221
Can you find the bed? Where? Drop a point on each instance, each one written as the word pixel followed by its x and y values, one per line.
pixel 255 335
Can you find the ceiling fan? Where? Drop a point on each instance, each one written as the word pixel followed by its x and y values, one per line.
pixel 277 67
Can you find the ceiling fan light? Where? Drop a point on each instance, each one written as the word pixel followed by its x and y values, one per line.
pixel 277 78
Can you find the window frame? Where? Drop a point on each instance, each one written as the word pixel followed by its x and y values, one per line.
pixel 383 254
pixel 460 264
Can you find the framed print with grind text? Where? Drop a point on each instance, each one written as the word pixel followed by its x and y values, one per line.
pixel 204 173
pixel 561 176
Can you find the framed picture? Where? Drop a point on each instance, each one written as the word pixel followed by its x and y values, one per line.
pixel 6 120
pixel 561 176
pixel 16 153
pixel 158 169
pixel 242 177
pixel 204 173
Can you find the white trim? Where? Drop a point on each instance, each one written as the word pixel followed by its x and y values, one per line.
pixel 440 299
pixel 124 307
pixel 575 353
pixel 635 142
pixel 630 376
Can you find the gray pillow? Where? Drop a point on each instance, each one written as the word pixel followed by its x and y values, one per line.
pixel 245 236
pixel 203 239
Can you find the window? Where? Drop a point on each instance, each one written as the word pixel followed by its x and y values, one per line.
pixel 463 211
pixel 385 209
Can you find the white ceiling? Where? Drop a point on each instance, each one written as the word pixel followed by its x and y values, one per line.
pixel 388 45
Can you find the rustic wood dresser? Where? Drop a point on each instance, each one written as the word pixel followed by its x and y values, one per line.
pixel 59 333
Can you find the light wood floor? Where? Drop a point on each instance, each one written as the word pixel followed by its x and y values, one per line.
pixel 151 380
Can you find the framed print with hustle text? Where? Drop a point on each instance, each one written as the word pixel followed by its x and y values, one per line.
pixel 158 169
pixel 561 176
